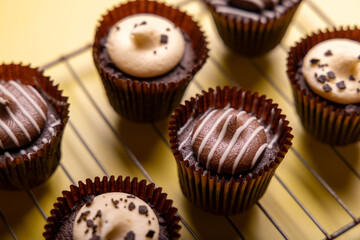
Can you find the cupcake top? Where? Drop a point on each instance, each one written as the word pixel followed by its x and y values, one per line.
pixel 256 10
pixel 332 70
pixel 23 114
pixel 145 45
pixel 228 141
pixel 115 215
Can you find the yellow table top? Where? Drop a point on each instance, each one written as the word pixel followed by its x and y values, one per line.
pixel 40 32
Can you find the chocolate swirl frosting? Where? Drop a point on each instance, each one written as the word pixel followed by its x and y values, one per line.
pixel 254 5
pixel 228 141
pixel 22 114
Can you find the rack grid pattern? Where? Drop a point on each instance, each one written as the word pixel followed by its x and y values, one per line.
pixel 328 194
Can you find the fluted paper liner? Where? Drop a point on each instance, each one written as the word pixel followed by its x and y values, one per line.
pixel 321 118
pixel 147 192
pixel 23 173
pixel 219 194
pixel 252 37
pixel 140 100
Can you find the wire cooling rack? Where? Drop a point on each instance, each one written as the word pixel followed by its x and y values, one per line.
pixel 308 222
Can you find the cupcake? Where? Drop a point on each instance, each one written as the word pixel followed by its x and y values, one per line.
pixel 252 27
pixel 33 115
pixel 227 145
pixel 113 209
pixel 146 54
pixel 324 70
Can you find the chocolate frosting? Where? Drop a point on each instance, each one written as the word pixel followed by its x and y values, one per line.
pixel 254 5
pixel 22 114
pixel 228 141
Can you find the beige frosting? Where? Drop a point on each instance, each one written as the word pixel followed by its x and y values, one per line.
pixel 332 70
pixel 116 216
pixel 145 45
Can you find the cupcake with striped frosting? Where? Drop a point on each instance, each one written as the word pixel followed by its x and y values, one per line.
pixel 33 115
pixel 227 144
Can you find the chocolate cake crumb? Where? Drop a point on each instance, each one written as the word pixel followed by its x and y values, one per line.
pixel 150 234
pixel 143 210
pixel 314 60
pixel 131 206
pixel 351 77
pixel 327 88
pixel 164 38
pixel 130 236
pixel 115 202
pixel 322 79
pixel 341 85
pixel 328 53
pixel 331 75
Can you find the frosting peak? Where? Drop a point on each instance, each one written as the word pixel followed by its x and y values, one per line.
pixel 145 45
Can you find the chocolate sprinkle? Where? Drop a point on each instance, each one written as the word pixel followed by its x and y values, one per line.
pixel 143 209
pixel 143 23
pixel 115 202
pixel 322 79
pixel 130 196
pixel 331 75
pixel 327 88
pixel 314 60
pixel 131 206
pixel 83 216
pixel 130 236
pixel 351 77
pixel 341 85
pixel 328 53
pixel 164 38
pixel 98 214
pixel 90 223
pixel 150 234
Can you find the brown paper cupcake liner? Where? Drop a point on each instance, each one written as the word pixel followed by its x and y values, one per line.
pixel 26 172
pixel 147 192
pixel 250 37
pixel 219 194
pixel 144 101
pixel 321 118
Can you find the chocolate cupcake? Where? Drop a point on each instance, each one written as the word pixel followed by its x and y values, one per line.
pixel 324 70
pixel 252 27
pixel 227 144
pixel 33 115
pixel 113 208
pixel 146 54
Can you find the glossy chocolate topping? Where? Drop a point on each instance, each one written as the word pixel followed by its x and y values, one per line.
pixel 228 141
pixel 254 5
pixel 22 114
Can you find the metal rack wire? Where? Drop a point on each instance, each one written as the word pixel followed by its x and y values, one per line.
pixel 327 235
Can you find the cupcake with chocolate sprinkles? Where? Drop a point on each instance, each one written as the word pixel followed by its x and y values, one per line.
pixel 227 145
pixel 324 70
pixel 33 115
pixel 252 27
pixel 113 209
pixel 146 54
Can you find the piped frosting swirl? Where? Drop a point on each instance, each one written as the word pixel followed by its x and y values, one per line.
pixel 145 45
pixel 228 141
pixel 115 216
pixel 23 114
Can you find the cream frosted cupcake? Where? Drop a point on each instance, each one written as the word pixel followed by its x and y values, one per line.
pixel 324 69
pixel 227 144
pixel 113 209
pixel 146 54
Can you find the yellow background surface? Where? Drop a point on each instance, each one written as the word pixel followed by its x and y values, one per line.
pixel 39 32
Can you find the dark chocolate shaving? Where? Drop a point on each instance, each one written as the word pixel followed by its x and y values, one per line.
pixel 130 235
pixel 117 28
pixel 323 65
pixel 358 90
pixel 328 53
pixel 115 202
pixel 154 52
pixel 331 75
pixel 88 200
pixel 149 222
pixel 150 234
pixel 143 23
pixel 163 38
pixel 168 29
pixel 90 223
pixel 351 77
pixel 314 60
pixel 322 79
pixel 83 216
pixel 130 196
pixel 327 88
pixel 98 214
pixel 341 85
pixel 135 25
pixel 131 206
